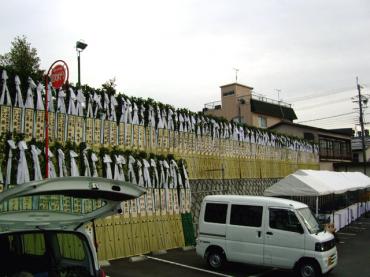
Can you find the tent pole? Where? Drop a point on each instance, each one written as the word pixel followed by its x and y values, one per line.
pixel 332 207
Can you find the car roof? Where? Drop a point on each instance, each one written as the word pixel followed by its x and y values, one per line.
pixel 245 199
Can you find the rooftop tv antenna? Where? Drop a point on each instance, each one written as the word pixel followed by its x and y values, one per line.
pixel 236 74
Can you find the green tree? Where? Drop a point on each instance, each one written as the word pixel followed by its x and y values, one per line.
pixel 22 59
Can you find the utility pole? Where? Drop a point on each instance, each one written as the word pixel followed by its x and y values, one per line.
pixel 361 124
pixel 236 74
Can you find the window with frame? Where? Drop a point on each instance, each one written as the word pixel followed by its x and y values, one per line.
pixel 215 213
pixel 246 215
pixel 282 219
pixel 262 121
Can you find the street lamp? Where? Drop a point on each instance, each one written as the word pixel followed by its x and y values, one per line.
pixel 80 46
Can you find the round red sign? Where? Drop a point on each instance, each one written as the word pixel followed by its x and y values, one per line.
pixel 58 76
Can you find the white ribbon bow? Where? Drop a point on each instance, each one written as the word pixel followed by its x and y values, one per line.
pixel 81 102
pixel 106 106
pixel 141 118
pixel 147 181
pixel 23 175
pixel 170 125
pixel 86 163
pixel 113 105
pixel 39 103
pixel 135 117
pixel 173 173
pixel 74 168
pixel 151 117
pixel 123 111
pixel 72 100
pixel 61 105
pixel 29 100
pixel 118 168
pixel 164 119
pixel 62 163
pixel 52 172
pixel 9 163
pixel 89 112
pixel 187 185
pixel 129 112
pixel 155 182
pixel 140 174
pixel 94 159
pixel 36 163
pixel 5 95
pixel 18 93
pixel 98 106
pixel 108 169
pixel 131 172
pixel 166 173
pixel 50 98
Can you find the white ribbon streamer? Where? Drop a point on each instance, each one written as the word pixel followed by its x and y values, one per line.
pixel 81 102
pixel 147 181
pixel 86 163
pixel 187 184
pixel 140 174
pixel 74 168
pixel 106 106
pixel 173 174
pixel 129 112
pixel 118 168
pixel 61 105
pixel 131 172
pixel 29 100
pixel 94 159
pixel 123 111
pixel 50 98
pixel 108 169
pixel 72 102
pixel 18 93
pixel 62 163
pixel 23 175
pixel 39 92
pixel 52 172
pixel 135 117
pixel 155 179
pixel 113 105
pixel 10 161
pixel 36 163
pixel 89 112
pixel 98 106
pixel 5 95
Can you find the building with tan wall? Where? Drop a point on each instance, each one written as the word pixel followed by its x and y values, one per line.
pixel 241 104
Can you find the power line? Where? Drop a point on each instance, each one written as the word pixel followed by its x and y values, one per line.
pixel 322 118
pixel 323 103
pixel 322 93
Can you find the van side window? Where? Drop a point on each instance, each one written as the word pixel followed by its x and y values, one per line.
pixel 284 220
pixel 215 213
pixel 246 215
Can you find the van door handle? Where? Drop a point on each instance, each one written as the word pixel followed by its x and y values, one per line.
pixel 259 233
pixel 269 233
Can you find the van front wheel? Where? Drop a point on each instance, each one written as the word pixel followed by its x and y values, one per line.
pixel 216 259
pixel 309 269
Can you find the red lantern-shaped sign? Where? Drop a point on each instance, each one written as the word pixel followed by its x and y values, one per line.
pixel 58 76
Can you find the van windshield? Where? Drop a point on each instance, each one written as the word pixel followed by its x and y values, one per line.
pixel 309 220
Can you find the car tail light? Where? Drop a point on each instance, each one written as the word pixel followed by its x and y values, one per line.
pixel 102 273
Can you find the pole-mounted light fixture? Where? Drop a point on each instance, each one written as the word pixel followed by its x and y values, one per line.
pixel 80 46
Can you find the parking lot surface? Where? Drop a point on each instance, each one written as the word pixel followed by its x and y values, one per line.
pixel 353 251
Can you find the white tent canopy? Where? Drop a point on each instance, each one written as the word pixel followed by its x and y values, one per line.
pixel 317 183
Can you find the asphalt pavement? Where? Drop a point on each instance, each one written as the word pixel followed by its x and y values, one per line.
pixel 353 252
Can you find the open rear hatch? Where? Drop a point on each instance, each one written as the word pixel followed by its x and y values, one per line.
pixel 62 203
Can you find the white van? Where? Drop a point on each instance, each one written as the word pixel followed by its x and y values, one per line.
pixel 264 231
pixel 42 228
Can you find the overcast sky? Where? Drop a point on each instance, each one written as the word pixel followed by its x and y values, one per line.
pixel 179 52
